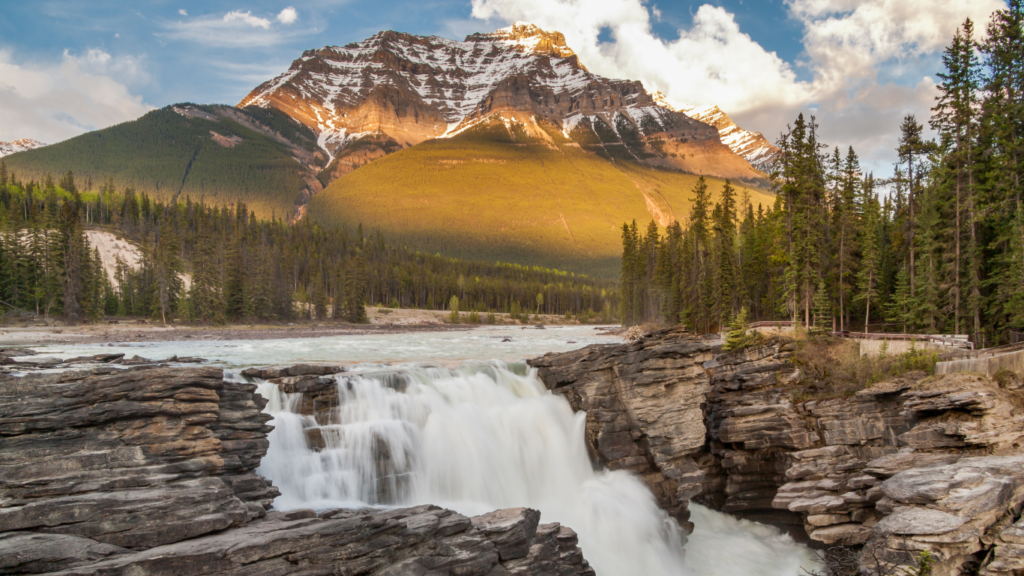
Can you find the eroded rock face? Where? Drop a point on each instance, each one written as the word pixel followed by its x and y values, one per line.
pixel 909 465
pixel 643 403
pixel 128 458
pixel 409 541
pixel 148 471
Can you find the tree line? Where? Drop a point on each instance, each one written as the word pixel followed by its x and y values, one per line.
pixel 215 264
pixel 937 248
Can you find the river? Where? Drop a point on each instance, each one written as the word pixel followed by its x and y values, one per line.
pixel 464 424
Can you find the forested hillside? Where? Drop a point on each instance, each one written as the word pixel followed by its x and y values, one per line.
pixel 938 248
pixel 215 154
pixel 510 191
pixel 243 267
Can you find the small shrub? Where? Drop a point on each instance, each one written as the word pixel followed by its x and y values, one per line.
pixel 915 359
pixel 395 303
pixel 474 317
pixel 453 305
pixel 1007 379
pixel 491 318
pixel 834 367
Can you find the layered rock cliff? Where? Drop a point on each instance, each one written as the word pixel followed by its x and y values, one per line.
pixel 147 471
pixel 913 464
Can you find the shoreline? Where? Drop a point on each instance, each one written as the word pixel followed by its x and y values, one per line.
pixel 381 321
pixel 112 334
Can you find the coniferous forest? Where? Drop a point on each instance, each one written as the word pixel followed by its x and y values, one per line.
pixel 937 248
pixel 242 268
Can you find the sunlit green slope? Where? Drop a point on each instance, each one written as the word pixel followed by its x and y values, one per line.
pixel 218 154
pixel 499 194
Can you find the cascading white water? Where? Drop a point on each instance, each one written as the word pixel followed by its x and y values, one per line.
pixel 481 438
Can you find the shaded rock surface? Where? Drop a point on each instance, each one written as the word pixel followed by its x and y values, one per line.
pixel 644 409
pixel 909 465
pixel 409 541
pixel 150 470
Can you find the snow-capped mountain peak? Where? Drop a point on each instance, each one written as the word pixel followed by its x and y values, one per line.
pixel 8 148
pixel 752 146
pixel 529 38
pixel 394 90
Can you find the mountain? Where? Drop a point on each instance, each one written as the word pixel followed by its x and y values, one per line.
pixel 402 90
pixel 219 154
pixel 8 148
pixel 751 146
pixel 503 146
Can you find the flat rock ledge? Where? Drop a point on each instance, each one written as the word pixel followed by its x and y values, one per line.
pixel 909 465
pixel 151 471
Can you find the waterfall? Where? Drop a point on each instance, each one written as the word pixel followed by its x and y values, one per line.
pixel 477 439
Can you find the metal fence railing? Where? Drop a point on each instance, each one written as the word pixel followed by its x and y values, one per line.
pixel 950 341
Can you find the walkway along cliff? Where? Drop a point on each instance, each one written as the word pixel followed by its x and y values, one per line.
pixel 904 466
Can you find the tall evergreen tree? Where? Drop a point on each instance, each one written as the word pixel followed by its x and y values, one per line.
pixel 867 277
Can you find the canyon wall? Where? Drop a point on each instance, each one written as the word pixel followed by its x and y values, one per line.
pixel 904 466
pixel 151 470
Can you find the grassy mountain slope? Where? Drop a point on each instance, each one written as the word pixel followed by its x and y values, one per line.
pixel 215 153
pixel 511 193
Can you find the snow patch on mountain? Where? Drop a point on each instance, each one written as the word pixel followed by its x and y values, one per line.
pixel 8 148
pixel 752 146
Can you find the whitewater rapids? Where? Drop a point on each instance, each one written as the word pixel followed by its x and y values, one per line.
pixel 486 437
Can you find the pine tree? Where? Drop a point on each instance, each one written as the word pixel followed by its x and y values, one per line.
pixel 699 301
pixel 355 287
pixel 925 298
pixel 867 277
pixel 725 244
pixel 206 299
pixel 627 280
pixel 72 247
pixel 738 337
pixel 900 308
pixel 803 192
pixel 822 309
pixel 319 297
pixel 955 119
pixel 845 227
pixel 911 146
pixel 235 271
pixel 1001 132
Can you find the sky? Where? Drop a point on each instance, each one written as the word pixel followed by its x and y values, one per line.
pixel 859 66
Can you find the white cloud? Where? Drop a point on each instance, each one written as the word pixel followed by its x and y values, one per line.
pixel 236 29
pixel 849 45
pixel 288 16
pixel 182 11
pixel 248 18
pixel 51 102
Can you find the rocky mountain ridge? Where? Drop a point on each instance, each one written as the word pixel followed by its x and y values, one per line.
pixel 15 146
pixel 752 146
pixel 402 90
pixel 910 465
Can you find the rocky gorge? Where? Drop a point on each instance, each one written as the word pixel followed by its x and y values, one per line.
pixel 131 466
pixel 151 470
pixel 909 465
